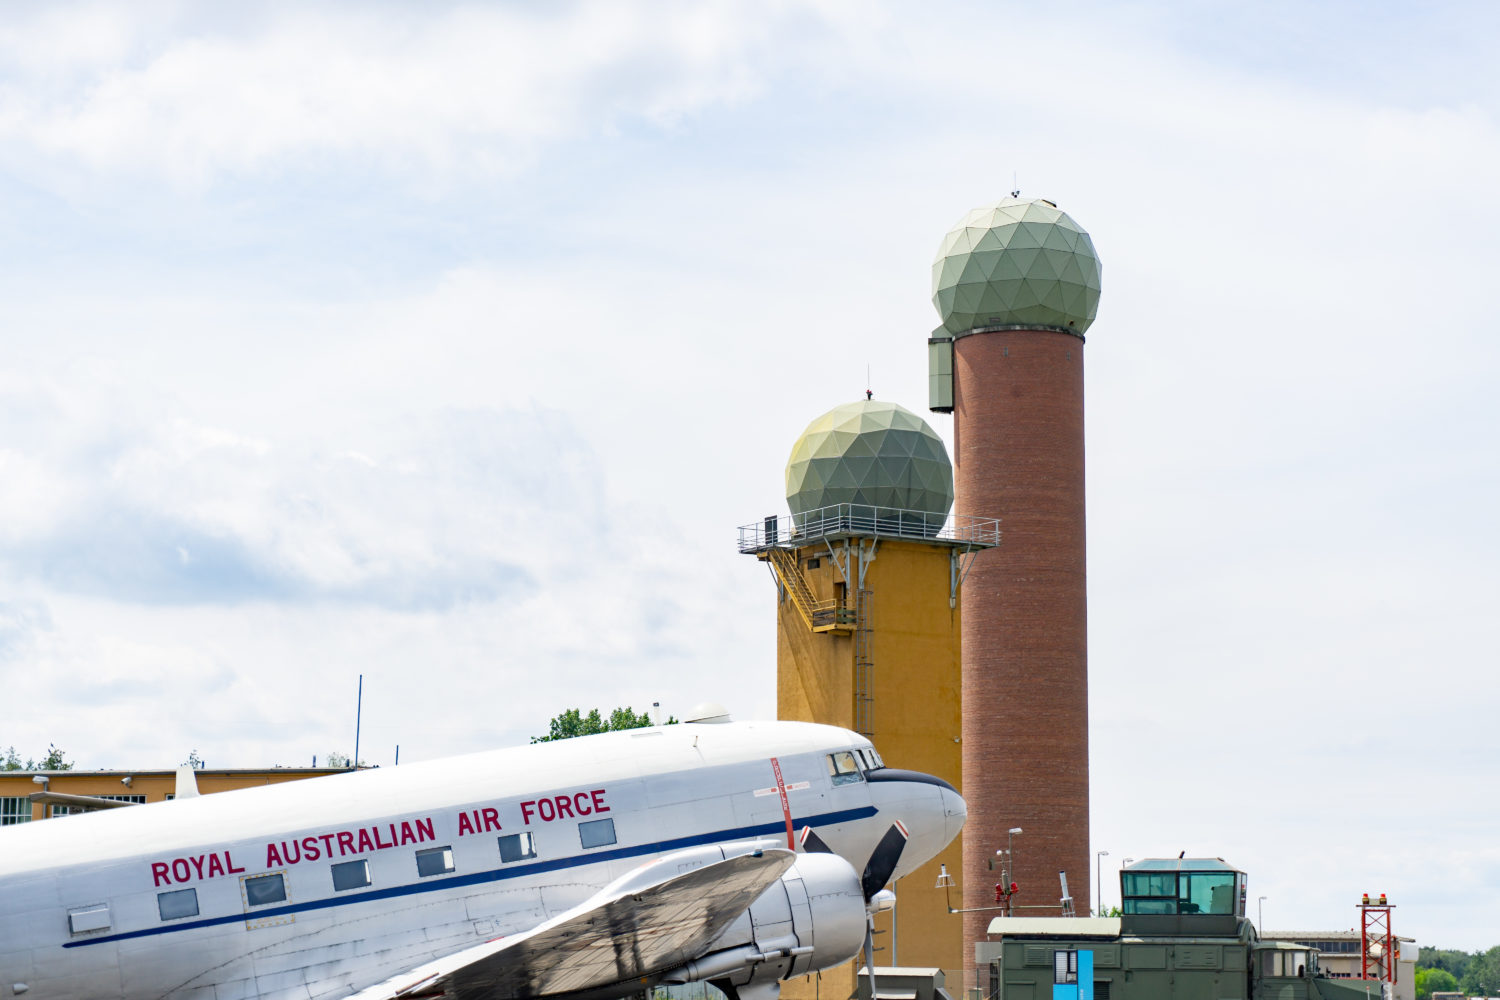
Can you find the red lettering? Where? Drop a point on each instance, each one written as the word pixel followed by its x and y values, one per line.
pixel 365 843
pixel 198 864
pixel 564 807
pixel 346 843
pixel 581 803
pixel 407 836
pixel 526 808
pixel 598 796
pixel 380 843
pixel 424 830
pixel 545 806
pixel 464 825
pixel 229 863
pixel 215 866
pixel 180 870
pixel 158 872
pixel 310 850
pixel 327 840
pixel 492 820
pixel 273 856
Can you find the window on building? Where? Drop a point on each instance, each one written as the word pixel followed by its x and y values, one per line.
pixel 263 890
pixel 597 833
pixel 843 767
pixel 517 847
pixel 434 861
pixel 14 809
pixel 1064 967
pixel 351 875
pixel 1210 892
pixel 177 904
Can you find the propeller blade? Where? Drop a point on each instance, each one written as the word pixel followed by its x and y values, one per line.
pixel 883 861
pixel 812 843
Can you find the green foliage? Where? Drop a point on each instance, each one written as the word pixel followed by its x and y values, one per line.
pixel 56 760
pixel 1455 963
pixel 1430 981
pixel 337 759
pixel 1482 977
pixel 574 723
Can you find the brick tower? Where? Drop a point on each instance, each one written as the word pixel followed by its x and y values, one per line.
pixel 1016 285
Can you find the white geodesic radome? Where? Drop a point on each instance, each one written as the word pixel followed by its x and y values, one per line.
pixel 1019 262
pixel 871 454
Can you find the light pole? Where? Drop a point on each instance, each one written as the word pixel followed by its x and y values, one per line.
pixel 1260 915
pixel 1099 857
pixel 1010 865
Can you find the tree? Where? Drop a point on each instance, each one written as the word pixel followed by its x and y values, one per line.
pixel 1430 981
pixel 574 723
pixel 1482 977
pixel 56 760
pixel 337 759
pixel 1455 963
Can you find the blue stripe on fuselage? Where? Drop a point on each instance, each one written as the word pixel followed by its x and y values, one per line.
pixel 493 875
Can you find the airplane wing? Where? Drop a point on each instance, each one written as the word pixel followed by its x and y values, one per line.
pixel 650 920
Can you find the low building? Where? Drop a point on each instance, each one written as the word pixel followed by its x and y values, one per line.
pixel 36 795
pixel 1339 956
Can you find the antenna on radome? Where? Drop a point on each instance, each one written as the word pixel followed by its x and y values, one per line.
pixel 1015 186
pixel 869 393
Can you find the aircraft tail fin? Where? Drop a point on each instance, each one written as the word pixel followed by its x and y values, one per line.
pixel 187 782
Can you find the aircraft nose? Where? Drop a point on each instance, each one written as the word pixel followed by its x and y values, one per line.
pixel 931 809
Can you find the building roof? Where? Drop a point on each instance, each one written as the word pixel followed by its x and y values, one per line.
pixel 1181 865
pixel 1348 935
pixel 1072 927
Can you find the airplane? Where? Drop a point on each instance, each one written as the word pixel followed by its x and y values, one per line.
pixel 737 853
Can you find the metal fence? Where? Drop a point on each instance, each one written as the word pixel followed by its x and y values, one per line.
pixel 847 519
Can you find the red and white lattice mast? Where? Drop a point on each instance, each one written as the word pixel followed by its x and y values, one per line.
pixel 1379 951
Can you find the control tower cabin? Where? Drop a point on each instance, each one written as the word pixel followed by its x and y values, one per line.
pixel 869 568
pixel 1016 285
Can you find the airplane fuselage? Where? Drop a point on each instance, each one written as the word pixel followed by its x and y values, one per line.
pixel 324 887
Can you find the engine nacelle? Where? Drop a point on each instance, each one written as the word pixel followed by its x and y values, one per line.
pixel 812 919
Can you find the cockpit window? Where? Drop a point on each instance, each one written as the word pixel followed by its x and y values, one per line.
pixel 871 758
pixel 843 767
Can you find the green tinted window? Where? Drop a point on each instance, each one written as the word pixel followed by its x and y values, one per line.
pixel 1208 893
pixel 1151 884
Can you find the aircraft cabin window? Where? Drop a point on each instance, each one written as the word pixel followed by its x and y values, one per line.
pixel 262 890
pixel 177 904
pixel 843 767
pixel 597 833
pixel 434 861
pixel 517 847
pixel 351 875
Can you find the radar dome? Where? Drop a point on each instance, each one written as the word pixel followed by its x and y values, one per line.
pixel 871 454
pixel 1020 262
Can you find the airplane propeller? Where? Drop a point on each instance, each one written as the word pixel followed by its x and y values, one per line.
pixel 878 871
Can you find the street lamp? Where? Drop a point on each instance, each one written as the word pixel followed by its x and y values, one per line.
pixel 1099 879
pixel 1260 915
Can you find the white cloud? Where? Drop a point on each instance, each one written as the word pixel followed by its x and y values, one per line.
pixel 440 90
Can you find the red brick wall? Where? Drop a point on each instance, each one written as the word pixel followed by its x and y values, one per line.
pixel 1018 429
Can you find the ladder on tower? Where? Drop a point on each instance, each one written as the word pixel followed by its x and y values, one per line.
pixel 864 665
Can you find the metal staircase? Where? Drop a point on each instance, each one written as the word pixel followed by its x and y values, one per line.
pixel 820 616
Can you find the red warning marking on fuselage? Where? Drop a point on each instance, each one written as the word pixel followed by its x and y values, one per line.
pixel 786 807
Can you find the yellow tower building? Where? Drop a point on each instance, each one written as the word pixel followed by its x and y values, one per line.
pixel 868 569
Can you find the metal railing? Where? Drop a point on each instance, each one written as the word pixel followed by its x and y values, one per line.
pixel 847 519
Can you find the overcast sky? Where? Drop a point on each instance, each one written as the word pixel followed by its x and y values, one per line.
pixel 449 344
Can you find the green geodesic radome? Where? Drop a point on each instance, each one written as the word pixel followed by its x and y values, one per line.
pixel 871 454
pixel 1018 262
